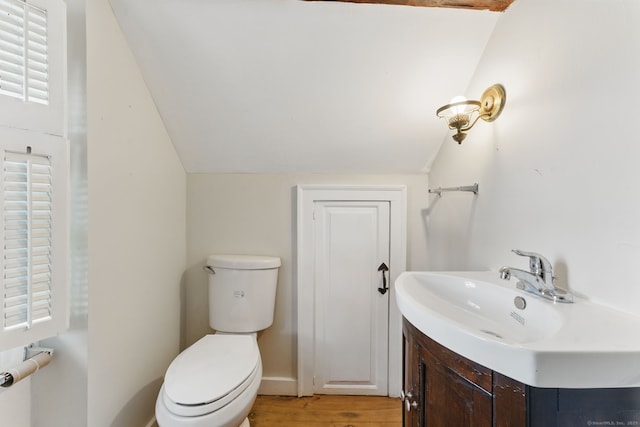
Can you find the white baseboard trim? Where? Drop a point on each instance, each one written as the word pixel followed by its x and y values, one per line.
pixel 278 386
pixel 152 423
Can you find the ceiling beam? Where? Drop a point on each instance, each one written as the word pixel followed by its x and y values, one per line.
pixel 492 5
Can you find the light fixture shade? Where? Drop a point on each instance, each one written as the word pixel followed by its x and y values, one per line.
pixel 461 114
pixel 459 105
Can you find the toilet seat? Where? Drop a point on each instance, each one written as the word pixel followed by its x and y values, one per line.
pixel 210 374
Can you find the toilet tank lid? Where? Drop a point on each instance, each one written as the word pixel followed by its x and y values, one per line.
pixel 243 262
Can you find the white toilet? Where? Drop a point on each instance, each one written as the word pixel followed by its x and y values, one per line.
pixel 214 382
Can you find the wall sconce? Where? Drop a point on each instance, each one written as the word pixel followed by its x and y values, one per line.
pixel 461 113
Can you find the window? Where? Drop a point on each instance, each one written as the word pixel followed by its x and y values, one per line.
pixel 33 65
pixel 24 60
pixel 34 235
pixel 27 224
pixel 34 172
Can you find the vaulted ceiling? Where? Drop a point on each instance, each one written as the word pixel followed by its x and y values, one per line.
pixel 289 86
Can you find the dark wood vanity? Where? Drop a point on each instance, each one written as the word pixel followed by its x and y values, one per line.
pixel 442 388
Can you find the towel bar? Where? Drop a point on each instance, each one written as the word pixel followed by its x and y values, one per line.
pixel 472 188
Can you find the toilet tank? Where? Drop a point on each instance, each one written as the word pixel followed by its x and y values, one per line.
pixel 242 292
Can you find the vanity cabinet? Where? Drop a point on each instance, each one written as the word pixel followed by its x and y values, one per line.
pixel 442 388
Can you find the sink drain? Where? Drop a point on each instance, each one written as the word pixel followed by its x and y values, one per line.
pixel 520 303
pixel 491 333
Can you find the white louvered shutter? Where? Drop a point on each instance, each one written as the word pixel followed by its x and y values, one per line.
pixel 34 236
pixel 27 224
pixel 33 65
pixel 24 57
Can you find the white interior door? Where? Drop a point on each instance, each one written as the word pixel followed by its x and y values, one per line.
pixel 351 314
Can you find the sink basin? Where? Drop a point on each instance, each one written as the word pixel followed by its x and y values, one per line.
pixel 480 307
pixel 537 342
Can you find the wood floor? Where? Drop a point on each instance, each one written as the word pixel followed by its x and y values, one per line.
pixel 325 411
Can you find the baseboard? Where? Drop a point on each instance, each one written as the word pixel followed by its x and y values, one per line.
pixel 152 423
pixel 278 386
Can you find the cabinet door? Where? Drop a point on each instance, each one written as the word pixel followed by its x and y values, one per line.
pixel 447 389
pixel 412 405
pixel 510 404
pixel 451 400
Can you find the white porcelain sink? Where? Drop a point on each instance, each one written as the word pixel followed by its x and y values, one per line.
pixel 474 313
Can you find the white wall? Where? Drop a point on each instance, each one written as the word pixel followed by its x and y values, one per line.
pixel 255 214
pixel 137 244
pixel 558 171
pixel 59 392
pixel 15 402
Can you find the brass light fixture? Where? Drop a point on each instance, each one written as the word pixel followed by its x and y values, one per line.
pixel 461 113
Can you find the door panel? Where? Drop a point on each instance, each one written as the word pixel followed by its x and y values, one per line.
pixel 352 240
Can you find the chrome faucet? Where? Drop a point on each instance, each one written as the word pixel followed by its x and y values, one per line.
pixel 538 280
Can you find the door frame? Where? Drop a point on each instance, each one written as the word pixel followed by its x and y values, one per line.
pixel 307 195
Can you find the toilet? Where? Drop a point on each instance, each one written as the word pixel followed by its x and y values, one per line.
pixel 214 382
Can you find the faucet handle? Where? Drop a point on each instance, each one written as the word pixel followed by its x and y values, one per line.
pixel 538 264
pixel 524 253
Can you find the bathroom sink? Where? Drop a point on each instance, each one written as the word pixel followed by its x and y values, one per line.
pixel 480 307
pixel 535 341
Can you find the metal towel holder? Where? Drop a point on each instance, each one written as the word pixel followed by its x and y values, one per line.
pixel 472 188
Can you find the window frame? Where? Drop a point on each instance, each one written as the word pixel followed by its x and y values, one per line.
pixel 43 128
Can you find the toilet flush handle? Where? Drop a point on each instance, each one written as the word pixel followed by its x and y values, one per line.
pixel 209 269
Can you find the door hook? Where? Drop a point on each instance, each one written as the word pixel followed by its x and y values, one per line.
pixel 383 267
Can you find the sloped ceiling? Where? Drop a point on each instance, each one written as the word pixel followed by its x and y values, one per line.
pixel 289 86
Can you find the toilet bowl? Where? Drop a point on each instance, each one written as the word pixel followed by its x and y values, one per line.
pixel 215 381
